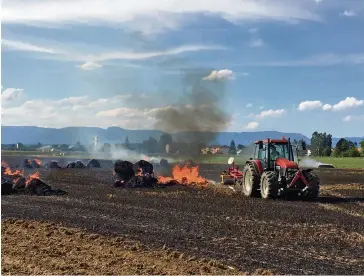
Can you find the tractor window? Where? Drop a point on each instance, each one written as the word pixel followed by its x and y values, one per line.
pixel 279 151
pixel 262 153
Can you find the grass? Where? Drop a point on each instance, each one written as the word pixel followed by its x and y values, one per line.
pixel 343 162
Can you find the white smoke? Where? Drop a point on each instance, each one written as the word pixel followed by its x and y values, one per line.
pixel 311 163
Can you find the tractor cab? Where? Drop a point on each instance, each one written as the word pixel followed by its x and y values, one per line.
pixel 272 151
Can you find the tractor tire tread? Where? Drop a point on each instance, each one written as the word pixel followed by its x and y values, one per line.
pixel 272 184
pixel 314 182
pixel 256 180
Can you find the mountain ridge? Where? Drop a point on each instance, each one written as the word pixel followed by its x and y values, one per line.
pixel 70 135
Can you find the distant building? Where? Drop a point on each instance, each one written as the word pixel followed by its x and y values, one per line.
pixel 45 149
pixel 215 150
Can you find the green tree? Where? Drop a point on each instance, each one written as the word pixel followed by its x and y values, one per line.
pixel 150 145
pixel 232 147
pixel 362 146
pixel 240 147
pixel 352 152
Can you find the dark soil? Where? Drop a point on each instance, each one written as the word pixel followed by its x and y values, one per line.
pixel 288 237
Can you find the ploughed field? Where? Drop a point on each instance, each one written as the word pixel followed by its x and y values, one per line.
pixel 181 229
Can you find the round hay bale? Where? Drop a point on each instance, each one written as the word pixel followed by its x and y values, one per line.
pixel 35 164
pixel 26 164
pixel 144 166
pixel 19 184
pixel 52 165
pixel 79 165
pixel 124 170
pixel 6 186
pixel 94 164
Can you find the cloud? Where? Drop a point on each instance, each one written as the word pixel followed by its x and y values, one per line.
pixel 150 14
pixel 27 47
pixel 251 125
pixel 11 94
pixel 89 66
pixel 354 118
pixel 309 105
pixel 256 43
pixel 220 75
pixel 348 103
pixel 249 105
pixel 78 111
pixel 348 13
pixel 316 60
pixel 92 59
pixel 271 113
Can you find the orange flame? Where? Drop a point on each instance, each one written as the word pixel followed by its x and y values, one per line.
pixel 9 172
pixel 38 161
pixel 185 175
pixel 31 177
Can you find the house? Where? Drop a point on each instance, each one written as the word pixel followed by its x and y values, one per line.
pixel 215 150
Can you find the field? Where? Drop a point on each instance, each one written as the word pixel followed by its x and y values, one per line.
pixel 99 229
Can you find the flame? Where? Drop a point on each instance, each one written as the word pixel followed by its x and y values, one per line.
pixel 185 175
pixel 38 161
pixel 31 177
pixel 9 172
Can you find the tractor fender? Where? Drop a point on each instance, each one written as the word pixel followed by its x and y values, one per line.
pixel 257 164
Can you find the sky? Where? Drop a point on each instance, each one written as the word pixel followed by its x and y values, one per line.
pixel 285 65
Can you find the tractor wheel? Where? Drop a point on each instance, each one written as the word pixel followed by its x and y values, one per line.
pixel 250 181
pixel 314 186
pixel 269 185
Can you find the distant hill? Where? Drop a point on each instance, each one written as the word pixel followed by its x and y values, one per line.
pixel 70 135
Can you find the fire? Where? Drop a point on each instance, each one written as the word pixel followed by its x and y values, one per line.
pixel 38 161
pixel 35 175
pixel 9 172
pixel 185 175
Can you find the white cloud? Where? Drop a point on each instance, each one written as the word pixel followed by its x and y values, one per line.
pixel 354 118
pixel 11 94
pixel 326 107
pixel 27 47
pixel 271 113
pixel 249 105
pixel 349 102
pixel 316 60
pixel 220 75
pixel 78 55
pixel 256 43
pixel 348 13
pixel 309 105
pixel 77 111
pixel 251 125
pixel 150 14
pixel 89 66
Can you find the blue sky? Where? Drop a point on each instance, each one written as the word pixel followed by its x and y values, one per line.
pixel 294 66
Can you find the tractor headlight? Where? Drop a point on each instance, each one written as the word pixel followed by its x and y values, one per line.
pixel 278 168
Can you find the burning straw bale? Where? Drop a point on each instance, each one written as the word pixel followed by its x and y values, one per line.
pixel 31 164
pixel 15 182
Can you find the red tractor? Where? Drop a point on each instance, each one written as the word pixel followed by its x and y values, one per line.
pixel 273 172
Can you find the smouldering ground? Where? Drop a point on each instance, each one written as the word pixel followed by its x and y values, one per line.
pixel 285 237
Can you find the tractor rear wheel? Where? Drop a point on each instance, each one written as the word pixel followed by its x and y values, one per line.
pixel 269 185
pixel 313 190
pixel 250 181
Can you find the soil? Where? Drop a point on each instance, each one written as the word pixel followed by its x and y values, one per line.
pixel 251 235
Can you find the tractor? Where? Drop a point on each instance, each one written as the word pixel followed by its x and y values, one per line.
pixel 273 172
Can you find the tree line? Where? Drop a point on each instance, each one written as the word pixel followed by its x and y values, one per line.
pixel 321 145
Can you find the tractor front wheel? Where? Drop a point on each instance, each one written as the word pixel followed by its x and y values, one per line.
pixel 313 190
pixel 269 185
pixel 250 181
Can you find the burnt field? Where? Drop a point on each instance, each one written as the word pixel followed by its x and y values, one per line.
pixel 248 234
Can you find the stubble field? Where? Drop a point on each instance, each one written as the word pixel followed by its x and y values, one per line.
pixel 99 229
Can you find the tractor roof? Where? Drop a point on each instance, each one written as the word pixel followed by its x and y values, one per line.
pixel 279 141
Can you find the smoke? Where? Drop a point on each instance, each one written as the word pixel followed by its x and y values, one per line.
pixel 312 164
pixel 198 115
